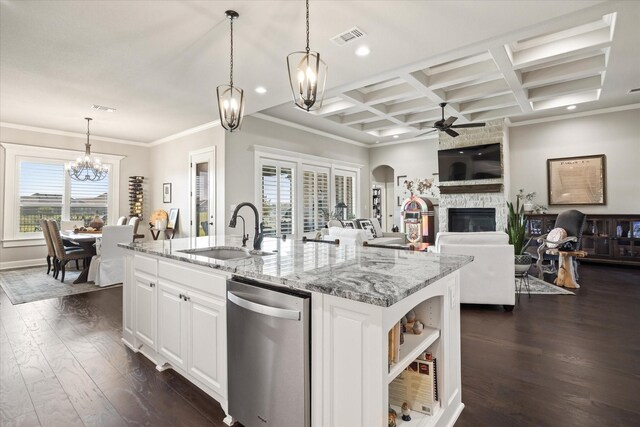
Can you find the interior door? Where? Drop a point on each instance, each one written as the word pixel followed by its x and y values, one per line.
pixel 202 211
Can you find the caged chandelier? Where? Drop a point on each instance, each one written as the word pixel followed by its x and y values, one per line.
pixel 307 76
pixel 87 168
pixel 230 97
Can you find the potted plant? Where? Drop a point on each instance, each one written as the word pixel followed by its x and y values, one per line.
pixel 516 231
pixel 527 203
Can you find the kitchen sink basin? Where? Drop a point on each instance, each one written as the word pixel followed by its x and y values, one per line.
pixel 222 253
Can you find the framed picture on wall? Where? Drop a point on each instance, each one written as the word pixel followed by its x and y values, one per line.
pixel 577 180
pixel 166 192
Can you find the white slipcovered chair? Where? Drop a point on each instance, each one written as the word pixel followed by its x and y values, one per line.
pixel 490 278
pixel 107 266
pixel 122 220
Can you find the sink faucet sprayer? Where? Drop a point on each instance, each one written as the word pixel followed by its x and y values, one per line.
pixel 259 226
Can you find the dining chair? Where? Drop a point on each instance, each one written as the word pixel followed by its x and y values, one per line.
pixel 51 252
pixel 122 220
pixel 107 266
pixel 63 255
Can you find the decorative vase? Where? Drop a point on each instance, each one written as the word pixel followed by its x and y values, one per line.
pixel 418 327
pixel 528 206
pixel 523 262
pixel 96 223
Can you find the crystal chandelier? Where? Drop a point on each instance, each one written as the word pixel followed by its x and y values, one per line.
pixel 307 76
pixel 230 98
pixel 85 168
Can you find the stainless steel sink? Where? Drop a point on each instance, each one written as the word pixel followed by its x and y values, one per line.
pixel 223 253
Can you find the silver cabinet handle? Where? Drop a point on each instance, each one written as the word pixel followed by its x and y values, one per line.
pixel 186 298
pixel 151 284
pixel 181 296
pixel 282 313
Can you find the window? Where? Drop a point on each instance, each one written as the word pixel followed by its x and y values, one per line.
pixel 345 183
pixel 315 196
pixel 295 203
pixel 41 190
pixel 277 189
pixel 39 187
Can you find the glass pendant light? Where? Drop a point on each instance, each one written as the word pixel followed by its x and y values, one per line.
pixel 87 168
pixel 307 76
pixel 230 98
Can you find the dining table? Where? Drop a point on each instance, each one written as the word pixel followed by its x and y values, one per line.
pixel 86 241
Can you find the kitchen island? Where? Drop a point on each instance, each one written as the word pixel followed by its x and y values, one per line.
pixel 175 314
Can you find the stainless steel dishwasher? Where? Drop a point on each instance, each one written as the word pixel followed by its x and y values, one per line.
pixel 268 335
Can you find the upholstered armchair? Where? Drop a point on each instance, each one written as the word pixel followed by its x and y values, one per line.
pixel 572 221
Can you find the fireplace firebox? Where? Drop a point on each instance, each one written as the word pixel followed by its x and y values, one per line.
pixel 472 219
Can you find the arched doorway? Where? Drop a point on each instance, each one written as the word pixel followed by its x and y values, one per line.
pixel 383 190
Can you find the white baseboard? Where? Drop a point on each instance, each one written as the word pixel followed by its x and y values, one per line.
pixel 7 265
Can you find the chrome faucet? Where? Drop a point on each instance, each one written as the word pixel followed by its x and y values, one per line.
pixel 258 236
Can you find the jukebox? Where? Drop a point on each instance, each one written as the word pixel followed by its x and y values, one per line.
pixel 417 220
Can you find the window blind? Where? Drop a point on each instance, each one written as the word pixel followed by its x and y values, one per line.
pixel 41 191
pixel 277 199
pixel 88 199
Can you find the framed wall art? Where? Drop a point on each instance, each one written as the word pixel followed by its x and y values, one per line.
pixel 173 218
pixel 577 180
pixel 166 192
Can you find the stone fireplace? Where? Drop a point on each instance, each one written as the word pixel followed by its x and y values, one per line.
pixel 488 195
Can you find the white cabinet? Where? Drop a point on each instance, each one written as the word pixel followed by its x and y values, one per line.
pixel 175 314
pixel 128 333
pixel 145 309
pixel 353 356
pixel 207 338
pixel 172 323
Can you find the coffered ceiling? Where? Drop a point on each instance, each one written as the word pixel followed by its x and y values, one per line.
pixel 158 62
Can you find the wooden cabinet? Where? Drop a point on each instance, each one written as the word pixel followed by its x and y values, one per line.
pixel 606 238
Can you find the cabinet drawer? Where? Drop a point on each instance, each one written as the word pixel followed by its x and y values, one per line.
pixel 212 284
pixel 146 264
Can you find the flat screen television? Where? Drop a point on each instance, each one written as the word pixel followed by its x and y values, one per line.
pixel 466 163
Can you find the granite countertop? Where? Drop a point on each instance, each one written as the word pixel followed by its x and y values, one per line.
pixel 371 275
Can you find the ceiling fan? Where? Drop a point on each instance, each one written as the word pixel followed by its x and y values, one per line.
pixel 448 126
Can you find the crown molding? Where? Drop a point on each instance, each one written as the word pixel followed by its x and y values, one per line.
pixel 71 134
pixel 575 115
pixel 307 129
pixel 184 133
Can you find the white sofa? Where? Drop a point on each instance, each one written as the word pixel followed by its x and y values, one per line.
pixel 490 278
pixel 359 236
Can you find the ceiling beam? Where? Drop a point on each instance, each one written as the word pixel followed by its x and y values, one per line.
pixel 511 77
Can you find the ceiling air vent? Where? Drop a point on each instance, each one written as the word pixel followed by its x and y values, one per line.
pixel 103 108
pixel 348 36
pixel 636 90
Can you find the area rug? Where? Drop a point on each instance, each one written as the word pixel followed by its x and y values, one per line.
pixel 33 284
pixel 538 286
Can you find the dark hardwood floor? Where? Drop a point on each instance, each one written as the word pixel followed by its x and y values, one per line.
pixel 554 361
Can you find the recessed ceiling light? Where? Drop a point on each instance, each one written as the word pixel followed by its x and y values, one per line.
pixel 396 136
pixel 363 51
pixel 377 142
pixel 571 107
pixel 461 152
pixel 261 89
